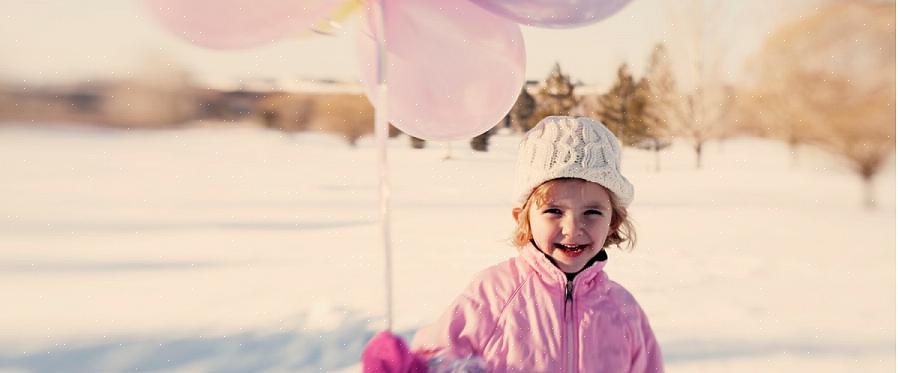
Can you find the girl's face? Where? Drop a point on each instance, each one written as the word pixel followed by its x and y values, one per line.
pixel 572 224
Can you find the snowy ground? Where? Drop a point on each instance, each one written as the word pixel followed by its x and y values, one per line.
pixel 240 249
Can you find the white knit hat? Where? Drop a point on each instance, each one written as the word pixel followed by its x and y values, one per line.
pixel 572 147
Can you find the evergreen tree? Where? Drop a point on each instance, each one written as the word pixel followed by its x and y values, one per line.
pixel 417 143
pixel 622 108
pixel 555 97
pixel 519 115
pixel 663 108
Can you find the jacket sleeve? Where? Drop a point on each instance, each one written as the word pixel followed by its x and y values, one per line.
pixel 460 332
pixel 646 353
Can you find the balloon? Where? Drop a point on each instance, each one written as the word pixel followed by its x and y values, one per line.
pixel 453 69
pixel 553 13
pixel 224 24
pixel 332 22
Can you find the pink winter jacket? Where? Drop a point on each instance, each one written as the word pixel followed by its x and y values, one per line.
pixel 523 316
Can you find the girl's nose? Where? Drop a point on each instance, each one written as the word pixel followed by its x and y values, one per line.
pixel 571 226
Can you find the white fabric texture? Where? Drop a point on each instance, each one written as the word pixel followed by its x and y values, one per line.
pixel 570 147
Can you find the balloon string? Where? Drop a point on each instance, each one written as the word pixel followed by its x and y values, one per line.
pixel 382 133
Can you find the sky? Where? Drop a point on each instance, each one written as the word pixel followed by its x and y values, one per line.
pixel 45 42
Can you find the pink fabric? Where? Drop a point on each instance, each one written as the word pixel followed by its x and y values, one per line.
pixel 387 353
pixel 517 317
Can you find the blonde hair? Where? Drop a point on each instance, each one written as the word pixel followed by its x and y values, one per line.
pixel 621 231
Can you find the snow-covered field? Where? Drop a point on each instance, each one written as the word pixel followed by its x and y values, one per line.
pixel 241 249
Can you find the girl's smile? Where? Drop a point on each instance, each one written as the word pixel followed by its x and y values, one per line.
pixel 571 250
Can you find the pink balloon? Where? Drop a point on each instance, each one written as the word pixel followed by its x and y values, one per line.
pixel 553 13
pixel 224 24
pixel 453 70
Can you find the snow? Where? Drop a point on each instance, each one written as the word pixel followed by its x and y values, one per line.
pixel 243 249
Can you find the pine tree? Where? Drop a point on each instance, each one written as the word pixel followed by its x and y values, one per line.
pixel 663 107
pixel 555 97
pixel 523 109
pixel 622 108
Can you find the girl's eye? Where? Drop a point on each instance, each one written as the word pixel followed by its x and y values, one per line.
pixel 552 211
pixel 594 212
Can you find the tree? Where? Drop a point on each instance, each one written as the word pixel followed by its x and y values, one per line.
pixel 481 142
pixel 663 110
pixel 519 115
pixel 555 97
pixel 417 143
pixel 773 116
pixel 707 99
pixel 834 73
pixel 621 108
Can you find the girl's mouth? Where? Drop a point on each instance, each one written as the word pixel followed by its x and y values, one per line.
pixel 571 250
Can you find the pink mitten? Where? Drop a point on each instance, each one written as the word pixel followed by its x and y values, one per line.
pixel 387 353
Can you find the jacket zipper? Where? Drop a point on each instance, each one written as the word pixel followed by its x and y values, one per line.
pixel 569 323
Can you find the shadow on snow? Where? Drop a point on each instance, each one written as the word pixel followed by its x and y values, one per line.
pixel 291 350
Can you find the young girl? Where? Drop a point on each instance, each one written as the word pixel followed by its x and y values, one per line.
pixel 552 308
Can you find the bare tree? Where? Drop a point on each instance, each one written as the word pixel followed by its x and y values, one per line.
pixel 831 76
pixel 765 111
pixel 706 100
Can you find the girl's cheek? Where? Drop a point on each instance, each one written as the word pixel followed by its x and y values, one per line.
pixel 603 224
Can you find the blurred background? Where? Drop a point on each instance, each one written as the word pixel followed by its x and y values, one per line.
pixel 803 72
pixel 167 207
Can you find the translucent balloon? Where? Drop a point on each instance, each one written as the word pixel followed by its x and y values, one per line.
pixel 453 70
pixel 332 22
pixel 553 13
pixel 225 24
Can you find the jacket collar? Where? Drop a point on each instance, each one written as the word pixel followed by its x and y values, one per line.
pixel 537 259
